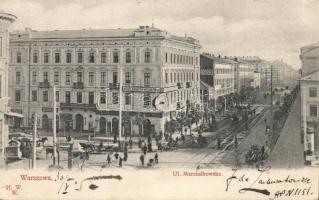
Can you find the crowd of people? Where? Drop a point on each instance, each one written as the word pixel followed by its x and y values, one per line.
pixel 146 148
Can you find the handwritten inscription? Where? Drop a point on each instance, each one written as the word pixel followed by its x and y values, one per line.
pixel 293 186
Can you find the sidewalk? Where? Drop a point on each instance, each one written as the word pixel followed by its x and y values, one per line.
pixel 288 152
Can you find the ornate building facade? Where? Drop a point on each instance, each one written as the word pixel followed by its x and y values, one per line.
pixel 158 74
pixel 5 21
pixel 217 79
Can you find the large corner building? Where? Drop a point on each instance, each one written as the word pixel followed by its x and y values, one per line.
pixel 158 74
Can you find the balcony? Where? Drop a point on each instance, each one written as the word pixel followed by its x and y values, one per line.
pixel 78 106
pixel 44 84
pixel 188 84
pixel 142 89
pixel 78 85
pixel 180 85
pixel 113 86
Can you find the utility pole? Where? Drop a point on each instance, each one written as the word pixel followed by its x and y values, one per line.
pixel 120 104
pixel 271 108
pixel 34 149
pixel 54 125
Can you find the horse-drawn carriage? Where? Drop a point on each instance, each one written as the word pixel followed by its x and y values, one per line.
pixel 20 145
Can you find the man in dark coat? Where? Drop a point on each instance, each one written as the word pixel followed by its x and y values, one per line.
pixel 142 159
pixel 108 159
pixel 156 158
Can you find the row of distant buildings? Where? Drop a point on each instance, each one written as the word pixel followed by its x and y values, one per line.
pixel 146 72
pixel 223 76
pixel 309 86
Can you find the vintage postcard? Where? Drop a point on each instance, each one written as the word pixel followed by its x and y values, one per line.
pixel 179 99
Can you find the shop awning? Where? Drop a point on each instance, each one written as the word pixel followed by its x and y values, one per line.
pixel 14 114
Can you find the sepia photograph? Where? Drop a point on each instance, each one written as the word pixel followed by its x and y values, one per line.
pixel 155 99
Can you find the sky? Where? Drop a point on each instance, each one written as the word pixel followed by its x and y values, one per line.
pixel 270 29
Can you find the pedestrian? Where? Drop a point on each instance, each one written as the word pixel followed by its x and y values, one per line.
pixel 125 156
pixel 183 138
pixel 116 155
pixel 108 159
pixel 144 149
pixel 142 159
pixel 263 150
pixel 69 138
pixel 149 147
pixel 139 143
pixel 159 146
pixel 156 158
pixel 218 143
pixel 120 161
pixel 185 131
pixel 130 142
pixel 149 139
pixel 114 139
pixel 236 142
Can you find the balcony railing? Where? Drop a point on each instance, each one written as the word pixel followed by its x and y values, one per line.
pixel 113 86
pixel 188 84
pixel 82 106
pixel 44 84
pixel 180 85
pixel 78 85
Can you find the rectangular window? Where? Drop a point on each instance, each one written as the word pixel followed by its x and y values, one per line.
pixel 147 100
pixel 18 77
pixel 147 79
pixel 115 57
pixel 0 46
pixel 114 78
pixel 45 76
pixel 91 97
pixel 128 57
pixel 128 78
pixel 67 78
pixel 80 57
pixel 166 57
pixel 115 98
pixel 91 78
pixel 46 57
pixel 312 92
pixel 34 95
pixel 68 57
pixel 67 97
pixel 103 77
pixel 103 57
pixel 79 77
pixel 102 98
pixel 313 110
pixel 92 57
pixel 18 57
pixel 34 77
pixel 56 77
pixel 79 97
pixel 127 99
pixel 166 78
pixel 147 57
pixel 45 96
pixel 35 57
pixel 57 96
pixel 18 95
pixel 57 57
